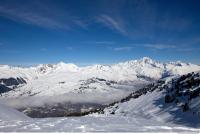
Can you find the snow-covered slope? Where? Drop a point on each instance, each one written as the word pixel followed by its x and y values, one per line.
pixel 175 101
pixel 7 113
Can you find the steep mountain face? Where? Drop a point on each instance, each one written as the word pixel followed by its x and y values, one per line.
pixel 175 100
pixel 183 91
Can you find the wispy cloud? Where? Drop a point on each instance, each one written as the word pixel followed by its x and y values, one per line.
pixel 81 23
pixel 112 23
pixel 123 48
pixel 40 14
pixel 104 42
pixel 31 17
pixel 159 46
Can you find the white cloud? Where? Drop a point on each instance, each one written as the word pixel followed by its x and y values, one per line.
pixel 105 42
pixel 180 48
pixel 122 48
pixel 159 46
pixel 41 15
pixel 112 23
pixel 102 98
pixel 31 17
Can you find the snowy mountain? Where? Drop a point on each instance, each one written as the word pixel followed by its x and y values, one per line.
pixel 66 79
pixel 144 66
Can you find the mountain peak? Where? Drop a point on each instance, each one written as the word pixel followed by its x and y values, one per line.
pixel 67 66
pixel 147 60
pixel 61 63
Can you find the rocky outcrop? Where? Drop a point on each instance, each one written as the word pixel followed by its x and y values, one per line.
pixel 183 90
pixel 10 83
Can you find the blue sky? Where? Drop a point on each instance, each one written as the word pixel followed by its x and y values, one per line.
pixel 98 31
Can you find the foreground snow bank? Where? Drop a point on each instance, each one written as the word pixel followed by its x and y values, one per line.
pixel 92 124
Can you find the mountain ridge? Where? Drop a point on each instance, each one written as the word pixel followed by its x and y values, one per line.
pixel 123 71
pixel 144 59
pixel 62 78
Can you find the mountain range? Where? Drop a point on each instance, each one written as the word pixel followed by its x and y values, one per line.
pixel 158 96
